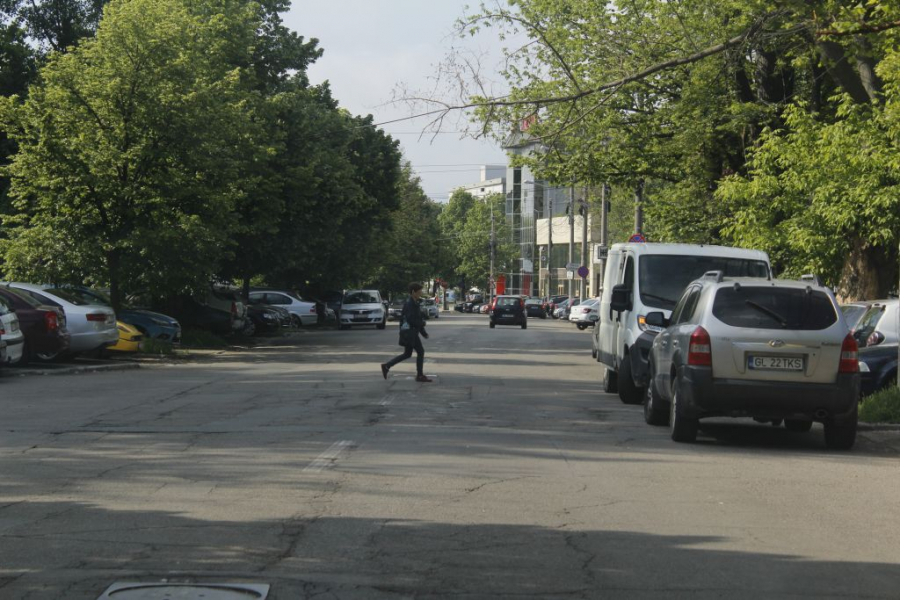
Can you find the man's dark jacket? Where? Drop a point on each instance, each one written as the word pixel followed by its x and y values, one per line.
pixel 412 315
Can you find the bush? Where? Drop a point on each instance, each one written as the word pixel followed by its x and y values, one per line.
pixel 200 338
pixel 881 407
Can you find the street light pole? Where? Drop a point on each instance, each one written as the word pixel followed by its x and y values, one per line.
pixel 571 237
pixel 493 243
pixel 584 230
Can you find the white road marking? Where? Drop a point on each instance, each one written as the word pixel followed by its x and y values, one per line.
pixel 387 400
pixel 329 457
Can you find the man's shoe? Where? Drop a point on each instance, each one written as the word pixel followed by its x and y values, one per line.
pixel 423 379
pixel 384 371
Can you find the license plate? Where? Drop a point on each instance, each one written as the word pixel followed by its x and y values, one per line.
pixel 506 316
pixel 775 363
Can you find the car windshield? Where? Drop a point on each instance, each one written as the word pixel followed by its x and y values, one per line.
pixel 869 321
pixel 663 277
pixel 89 296
pixel 774 308
pixel 852 314
pixel 361 298
pixel 398 303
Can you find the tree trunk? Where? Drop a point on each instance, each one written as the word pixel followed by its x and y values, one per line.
pixel 842 71
pixel 113 266
pixel 869 273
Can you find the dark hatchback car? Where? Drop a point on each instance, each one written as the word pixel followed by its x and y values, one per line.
pixel 509 310
pixel 535 308
pixel 44 327
pixel 877 368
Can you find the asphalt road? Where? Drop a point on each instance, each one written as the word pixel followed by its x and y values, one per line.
pixel 296 465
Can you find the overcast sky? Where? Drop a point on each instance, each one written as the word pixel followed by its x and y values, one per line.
pixel 371 46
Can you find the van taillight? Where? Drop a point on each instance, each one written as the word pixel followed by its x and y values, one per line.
pixel 51 321
pixel 700 349
pixel 849 355
pixel 97 317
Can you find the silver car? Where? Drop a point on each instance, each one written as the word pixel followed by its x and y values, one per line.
pixel 11 335
pixel 92 327
pixel 586 314
pixel 362 307
pixel 774 350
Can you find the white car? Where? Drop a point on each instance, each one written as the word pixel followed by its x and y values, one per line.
pixel 586 314
pixel 303 312
pixel 433 310
pixel 362 307
pixel 92 327
pixel 878 325
pixel 11 336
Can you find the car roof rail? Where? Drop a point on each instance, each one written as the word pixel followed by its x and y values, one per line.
pixel 812 278
pixel 717 276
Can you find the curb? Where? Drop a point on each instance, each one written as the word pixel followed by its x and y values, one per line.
pixel 878 426
pixel 76 370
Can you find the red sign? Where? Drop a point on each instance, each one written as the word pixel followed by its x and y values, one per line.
pixel 501 284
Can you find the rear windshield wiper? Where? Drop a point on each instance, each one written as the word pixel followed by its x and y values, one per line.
pixel 768 311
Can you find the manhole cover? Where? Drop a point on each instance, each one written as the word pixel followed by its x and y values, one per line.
pixel 186 591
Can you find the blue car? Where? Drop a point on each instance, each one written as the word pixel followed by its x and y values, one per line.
pixel 153 325
pixel 877 368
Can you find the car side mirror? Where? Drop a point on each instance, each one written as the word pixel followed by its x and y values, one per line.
pixel 657 319
pixel 621 298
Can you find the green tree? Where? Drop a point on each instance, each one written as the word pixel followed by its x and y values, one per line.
pixel 128 149
pixel 472 241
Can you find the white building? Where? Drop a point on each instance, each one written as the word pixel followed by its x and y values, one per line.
pixel 493 181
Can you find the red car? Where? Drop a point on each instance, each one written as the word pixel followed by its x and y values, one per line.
pixel 44 327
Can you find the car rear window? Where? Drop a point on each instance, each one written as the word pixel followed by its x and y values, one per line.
pixel 361 298
pixel 69 296
pixel 22 296
pixel 756 307
pixel 507 301
pixel 664 277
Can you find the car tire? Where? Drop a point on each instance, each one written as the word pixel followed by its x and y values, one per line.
pixel 683 428
pixel 841 436
pixel 296 322
pixel 609 380
pixel 628 392
pixel 581 326
pixel 798 425
pixel 655 410
pixel 381 325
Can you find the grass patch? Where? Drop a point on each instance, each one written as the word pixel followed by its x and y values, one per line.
pixel 157 347
pixel 881 407
pixel 199 338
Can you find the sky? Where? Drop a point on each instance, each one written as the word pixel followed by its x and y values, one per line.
pixel 371 47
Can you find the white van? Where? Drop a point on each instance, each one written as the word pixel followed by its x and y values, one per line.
pixel 641 278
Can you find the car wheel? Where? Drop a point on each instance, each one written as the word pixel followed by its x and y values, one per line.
pixel 841 436
pixel 797 425
pixel 296 322
pixel 628 392
pixel 684 429
pixel 48 356
pixel 609 381
pixel 582 327
pixel 492 324
pixel 655 411
pixel 381 325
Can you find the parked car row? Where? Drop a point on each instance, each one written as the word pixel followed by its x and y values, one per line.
pixel 693 332
pixel 875 326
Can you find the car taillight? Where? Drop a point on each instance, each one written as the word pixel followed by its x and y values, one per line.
pixel 875 339
pixel 51 321
pixel 585 310
pixel 849 355
pixel 97 317
pixel 700 349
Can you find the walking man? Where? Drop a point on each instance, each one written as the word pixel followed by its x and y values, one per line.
pixel 411 317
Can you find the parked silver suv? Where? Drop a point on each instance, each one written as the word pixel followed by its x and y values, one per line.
pixel 769 349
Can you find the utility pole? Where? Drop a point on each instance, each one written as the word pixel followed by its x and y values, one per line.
pixel 584 236
pixel 493 243
pixel 571 237
pixel 604 228
pixel 550 291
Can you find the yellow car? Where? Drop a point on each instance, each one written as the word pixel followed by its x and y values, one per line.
pixel 129 338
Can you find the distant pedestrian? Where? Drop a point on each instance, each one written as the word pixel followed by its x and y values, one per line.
pixel 411 326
